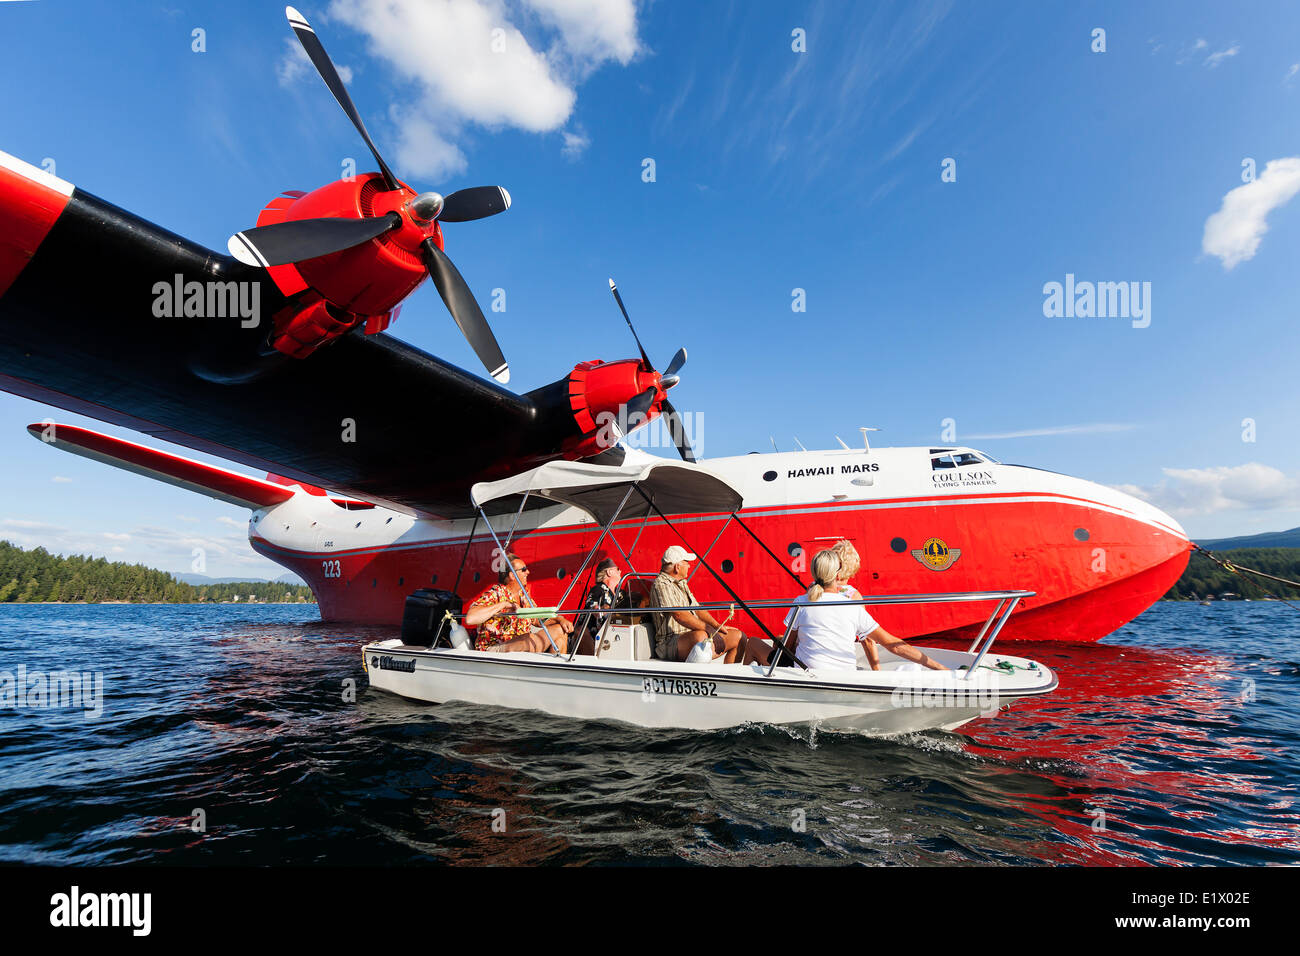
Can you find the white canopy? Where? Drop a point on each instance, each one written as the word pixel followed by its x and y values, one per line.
pixel 675 488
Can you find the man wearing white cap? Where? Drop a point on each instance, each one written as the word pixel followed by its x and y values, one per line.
pixel 677 632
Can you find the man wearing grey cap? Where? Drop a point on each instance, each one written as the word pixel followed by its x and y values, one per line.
pixel 676 632
pixel 603 594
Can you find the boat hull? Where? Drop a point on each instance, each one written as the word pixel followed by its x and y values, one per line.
pixel 662 694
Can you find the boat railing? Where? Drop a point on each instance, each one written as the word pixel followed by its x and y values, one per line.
pixel 1006 603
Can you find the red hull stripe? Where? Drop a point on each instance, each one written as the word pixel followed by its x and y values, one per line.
pixel 786 511
pixel 219 483
pixel 30 201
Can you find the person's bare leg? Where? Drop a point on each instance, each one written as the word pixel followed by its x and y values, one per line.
pixel 686 642
pixel 756 652
pixel 733 644
pixel 558 636
pixel 526 643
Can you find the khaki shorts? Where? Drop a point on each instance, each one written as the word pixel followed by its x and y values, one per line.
pixel 666 646
pixel 546 644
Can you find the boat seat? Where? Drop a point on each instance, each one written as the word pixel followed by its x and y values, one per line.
pixel 625 642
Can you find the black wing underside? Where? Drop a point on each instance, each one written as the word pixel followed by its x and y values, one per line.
pixel 368 415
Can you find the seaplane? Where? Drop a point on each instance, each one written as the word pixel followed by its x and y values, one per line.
pixel 276 355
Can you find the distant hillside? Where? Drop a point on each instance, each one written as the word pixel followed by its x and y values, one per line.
pixel 202 579
pixel 1269 539
pixel 34 577
pixel 1203 578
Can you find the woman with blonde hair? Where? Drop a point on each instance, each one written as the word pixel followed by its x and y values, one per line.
pixel 828 628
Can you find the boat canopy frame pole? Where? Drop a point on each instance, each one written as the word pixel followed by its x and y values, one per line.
pixel 577 575
pixel 455 588
pixel 776 653
pixel 709 549
pixel 717 577
pixel 515 525
pixel 983 630
pixel 763 544
pixel 993 636
pixel 628 553
pixel 505 556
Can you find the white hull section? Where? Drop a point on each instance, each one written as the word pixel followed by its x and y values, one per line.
pixel 709 696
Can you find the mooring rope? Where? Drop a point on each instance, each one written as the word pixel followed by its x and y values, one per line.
pixel 1237 569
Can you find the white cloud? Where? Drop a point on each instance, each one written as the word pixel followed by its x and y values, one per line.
pixel 574 144
pixel 1234 232
pixel 1100 427
pixel 473 65
pixel 1214 59
pixel 1290 74
pixel 1195 491
pixel 295 64
pixel 593 30
pixel 59 479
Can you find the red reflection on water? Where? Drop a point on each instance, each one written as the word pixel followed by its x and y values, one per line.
pixel 1108 737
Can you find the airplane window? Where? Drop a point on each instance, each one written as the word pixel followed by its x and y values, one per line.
pixel 966 458
pixel 944 462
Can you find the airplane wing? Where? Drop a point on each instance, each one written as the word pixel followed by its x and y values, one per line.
pixel 85 288
pixel 219 483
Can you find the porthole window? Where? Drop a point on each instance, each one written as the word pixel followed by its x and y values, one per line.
pixel 769 476
pixel 1081 534
pixel 794 548
pixel 476 577
pixel 358 524
pixel 434 579
pixel 898 545
pixel 560 573
pixel 375 583
pixel 401 582
pixel 727 567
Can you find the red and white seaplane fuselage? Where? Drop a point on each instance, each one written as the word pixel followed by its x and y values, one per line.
pixel 924 520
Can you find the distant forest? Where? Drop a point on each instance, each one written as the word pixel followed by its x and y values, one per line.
pixel 1203 578
pixel 29 577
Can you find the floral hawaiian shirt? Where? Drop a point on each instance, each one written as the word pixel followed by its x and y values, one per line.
pixel 502 627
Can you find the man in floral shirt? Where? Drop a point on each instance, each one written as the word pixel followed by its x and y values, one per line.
pixel 499 630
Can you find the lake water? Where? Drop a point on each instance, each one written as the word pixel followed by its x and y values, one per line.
pixel 1172 742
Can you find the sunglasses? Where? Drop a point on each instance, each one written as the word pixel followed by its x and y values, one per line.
pixel 523 570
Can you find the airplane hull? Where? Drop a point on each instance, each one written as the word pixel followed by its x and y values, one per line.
pixel 1085 588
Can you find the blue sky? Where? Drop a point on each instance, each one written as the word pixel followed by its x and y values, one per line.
pixel 775 170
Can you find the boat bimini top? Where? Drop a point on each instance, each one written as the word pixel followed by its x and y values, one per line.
pixel 605 491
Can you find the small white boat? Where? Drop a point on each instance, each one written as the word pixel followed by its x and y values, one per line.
pixel 623 682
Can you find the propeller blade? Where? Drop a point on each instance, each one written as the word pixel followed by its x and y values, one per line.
pixel 325 67
pixel 478 202
pixel 464 309
pixel 301 239
pixel 639 407
pixel 678 431
pixel 676 364
pixel 619 299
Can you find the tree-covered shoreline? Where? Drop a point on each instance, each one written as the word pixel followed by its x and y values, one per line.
pixel 1203 578
pixel 39 577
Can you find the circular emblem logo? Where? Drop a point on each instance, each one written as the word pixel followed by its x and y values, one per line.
pixel 936 555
